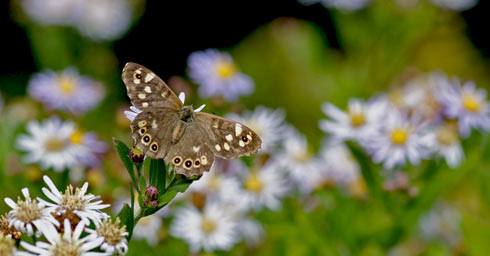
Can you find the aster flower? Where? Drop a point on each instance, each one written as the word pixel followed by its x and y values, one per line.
pixel 66 90
pixel 29 216
pixel 250 230
pixel 103 19
pixel 360 122
pixel 217 186
pixel 50 12
pixel 59 145
pixel 7 245
pixel 217 75
pixel 455 5
pixel 70 242
pixel 148 228
pixel 441 223
pixel 114 236
pixel 345 5
pixel 400 139
pixel 210 229
pixel 269 124
pixel 74 203
pixel 338 164
pixel 467 104
pixel 448 145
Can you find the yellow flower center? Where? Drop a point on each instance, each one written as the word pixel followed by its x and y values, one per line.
pixel 27 211
pixel 357 119
pixel 113 233
pixel 65 248
pixel 399 136
pixel 253 183
pixel 208 225
pixel 55 144
pixel 67 85
pixel 76 137
pixel 470 103
pixel 7 245
pixel 447 136
pixel 225 69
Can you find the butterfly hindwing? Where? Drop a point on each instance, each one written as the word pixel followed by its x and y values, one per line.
pixel 146 90
pixel 191 155
pixel 226 138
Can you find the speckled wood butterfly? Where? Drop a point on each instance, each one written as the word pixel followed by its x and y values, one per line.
pixel 187 139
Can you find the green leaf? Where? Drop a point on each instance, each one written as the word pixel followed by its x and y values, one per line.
pixel 127 218
pixel 123 152
pixel 370 177
pixel 157 174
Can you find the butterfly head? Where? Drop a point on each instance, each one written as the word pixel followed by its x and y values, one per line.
pixel 186 113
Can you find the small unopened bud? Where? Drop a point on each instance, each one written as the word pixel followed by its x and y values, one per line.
pixel 136 155
pixel 151 193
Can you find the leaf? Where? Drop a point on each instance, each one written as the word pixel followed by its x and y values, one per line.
pixel 157 174
pixel 123 152
pixel 371 179
pixel 127 218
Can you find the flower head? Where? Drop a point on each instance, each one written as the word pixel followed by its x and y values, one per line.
pixel 217 75
pixel 50 12
pixel 114 236
pixel 66 90
pixel 148 228
pixel 456 5
pixel 7 245
pixel 345 5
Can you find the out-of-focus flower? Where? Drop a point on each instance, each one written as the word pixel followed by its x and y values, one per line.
pixel 448 145
pixel 264 187
pixel 216 186
pixel 442 223
pixel 269 124
pixel 359 123
pixel 456 5
pixel 29 216
pixel 66 90
pixel 250 230
pixel 74 203
pixel 148 228
pixel 398 140
pixel 345 5
pixel 217 75
pixel 114 236
pixel 103 19
pixel 59 145
pixel 467 104
pixel 70 242
pixel 7 245
pixel 338 164
pixel 50 12
pixel 210 229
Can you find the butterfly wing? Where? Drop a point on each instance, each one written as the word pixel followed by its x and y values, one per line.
pixel 146 90
pixel 190 155
pixel 152 131
pixel 228 139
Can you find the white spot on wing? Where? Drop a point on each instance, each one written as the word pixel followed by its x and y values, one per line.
pixel 154 124
pixel 136 81
pixel 196 148
pixel 229 137
pixel 241 143
pixel 142 96
pixel 226 146
pixel 148 89
pixel 144 104
pixel 204 160
pixel 217 147
pixel 238 129
pixel 148 77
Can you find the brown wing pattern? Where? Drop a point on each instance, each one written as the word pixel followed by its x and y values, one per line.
pixel 146 90
pixel 228 139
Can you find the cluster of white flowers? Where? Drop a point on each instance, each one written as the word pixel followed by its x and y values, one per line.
pixel 353 5
pixel 429 116
pixel 98 20
pixel 61 224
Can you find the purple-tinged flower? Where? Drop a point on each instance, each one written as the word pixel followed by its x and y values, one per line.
pixel 217 75
pixel 66 90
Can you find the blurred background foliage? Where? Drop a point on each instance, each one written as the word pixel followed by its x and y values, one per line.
pixel 296 67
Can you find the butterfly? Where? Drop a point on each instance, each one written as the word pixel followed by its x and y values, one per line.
pixel 186 139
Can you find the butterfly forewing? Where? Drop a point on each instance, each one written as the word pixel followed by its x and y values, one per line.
pixel 146 90
pixel 228 139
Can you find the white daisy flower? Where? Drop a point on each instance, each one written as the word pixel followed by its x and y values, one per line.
pixel 59 145
pixel 269 124
pixel 361 120
pixel 216 185
pixel 29 216
pixel 448 145
pixel 441 223
pixel 7 245
pixel 339 166
pixel 74 202
pixel 50 12
pixel 114 236
pixel 148 228
pixel 264 187
pixel 217 75
pixel 345 5
pixel 456 5
pixel 250 230
pixel 210 229
pixel 398 140
pixel 70 242
pixel 103 19
pixel 66 90
pixel 467 104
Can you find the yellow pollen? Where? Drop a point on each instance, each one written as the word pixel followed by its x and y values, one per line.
pixel 470 103
pixel 253 183
pixel 27 211
pixel 399 136
pixel 113 233
pixel 225 69
pixel 447 136
pixel 55 144
pixel 65 248
pixel 67 85
pixel 76 137
pixel 208 225
pixel 7 245
pixel 357 119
